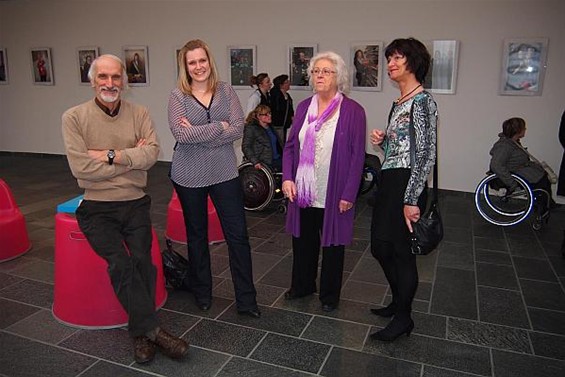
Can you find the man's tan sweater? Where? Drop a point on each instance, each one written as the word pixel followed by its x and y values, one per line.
pixel 86 126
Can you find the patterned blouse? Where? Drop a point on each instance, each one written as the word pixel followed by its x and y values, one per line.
pixel 204 153
pixel 397 142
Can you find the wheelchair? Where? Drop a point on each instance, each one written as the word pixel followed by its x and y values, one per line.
pixel 371 171
pixel 261 187
pixel 500 206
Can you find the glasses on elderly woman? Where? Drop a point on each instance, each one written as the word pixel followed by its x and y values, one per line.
pixel 265 114
pixel 324 71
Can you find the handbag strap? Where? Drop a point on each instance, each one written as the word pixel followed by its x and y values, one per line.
pixel 413 153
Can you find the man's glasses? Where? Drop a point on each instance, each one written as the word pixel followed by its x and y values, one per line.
pixel 324 72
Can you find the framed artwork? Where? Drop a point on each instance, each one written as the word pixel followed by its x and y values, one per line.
pixel 3 66
pixel 523 66
pixel 85 56
pixel 176 60
pixel 243 65
pixel 41 66
pixel 366 66
pixel 137 66
pixel 299 56
pixel 442 75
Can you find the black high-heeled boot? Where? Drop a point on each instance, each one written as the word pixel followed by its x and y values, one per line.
pixel 395 328
pixel 386 312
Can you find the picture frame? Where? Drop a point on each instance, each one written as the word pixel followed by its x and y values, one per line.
pixel 366 66
pixel 85 57
pixel 442 74
pixel 41 66
pixel 523 66
pixel 242 65
pixel 299 56
pixel 176 61
pixel 3 67
pixel 137 65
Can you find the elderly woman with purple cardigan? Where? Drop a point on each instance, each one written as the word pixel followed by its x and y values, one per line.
pixel 322 166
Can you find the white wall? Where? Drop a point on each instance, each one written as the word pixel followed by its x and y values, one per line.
pixel 470 119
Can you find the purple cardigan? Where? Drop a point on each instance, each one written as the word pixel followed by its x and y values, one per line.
pixel 346 167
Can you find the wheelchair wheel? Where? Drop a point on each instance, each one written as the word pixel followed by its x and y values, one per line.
pixel 500 208
pixel 368 180
pixel 258 186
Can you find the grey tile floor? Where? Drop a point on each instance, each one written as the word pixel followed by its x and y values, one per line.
pixel 490 301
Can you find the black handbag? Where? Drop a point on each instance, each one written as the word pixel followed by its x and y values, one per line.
pixel 175 268
pixel 428 230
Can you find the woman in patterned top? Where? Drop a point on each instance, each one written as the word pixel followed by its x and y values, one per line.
pixel 205 118
pixel 401 196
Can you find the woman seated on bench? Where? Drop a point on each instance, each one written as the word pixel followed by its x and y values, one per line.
pixel 261 144
pixel 509 156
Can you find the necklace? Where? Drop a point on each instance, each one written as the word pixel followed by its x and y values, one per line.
pixel 407 94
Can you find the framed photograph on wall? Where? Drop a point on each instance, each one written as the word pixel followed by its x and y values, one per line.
pixel 137 65
pixel 41 66
pixel 3 66
pixel 366 66
pixel 176 61
pixel 523 66
pixel 442 75
pixel 299 56
pixel 85 56
pixel 242 65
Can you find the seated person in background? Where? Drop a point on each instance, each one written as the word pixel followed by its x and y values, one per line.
pixel 509 156
pixel 261 144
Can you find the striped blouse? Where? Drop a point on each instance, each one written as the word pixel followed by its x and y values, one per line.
pixel 204 153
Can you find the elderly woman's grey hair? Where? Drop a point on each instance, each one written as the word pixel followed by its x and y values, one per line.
pixel 94 66
pixel 342 73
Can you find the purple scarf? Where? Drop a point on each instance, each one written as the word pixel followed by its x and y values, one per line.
pixel 305 174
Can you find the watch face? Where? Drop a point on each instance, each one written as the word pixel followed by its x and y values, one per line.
pixel 111 153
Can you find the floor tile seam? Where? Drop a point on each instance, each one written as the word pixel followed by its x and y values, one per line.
pixel 548 309
pixel 557 282
pixel 34 280
pixel 185 333
pixel 455 370
pixel 479 322
pixel 433 282
pixel 367 282
pixel 273 365
pixel 226 362
pixel 547 333
pixel 58 346
pixel 561 361
pixel 24 303
pixel 326 358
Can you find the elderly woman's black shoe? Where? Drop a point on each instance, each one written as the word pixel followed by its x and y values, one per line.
pixel 386 312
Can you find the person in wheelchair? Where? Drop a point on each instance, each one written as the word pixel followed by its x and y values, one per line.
pixel 509 156
pixel 261 144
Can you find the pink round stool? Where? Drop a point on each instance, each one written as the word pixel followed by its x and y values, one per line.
pixel 84 296
pixel 14 240
pixel 176 230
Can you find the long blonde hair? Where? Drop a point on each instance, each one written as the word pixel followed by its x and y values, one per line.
pixel 184 80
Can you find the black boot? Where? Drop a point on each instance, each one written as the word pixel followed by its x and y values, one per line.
pixel 386 312
pixel 395 328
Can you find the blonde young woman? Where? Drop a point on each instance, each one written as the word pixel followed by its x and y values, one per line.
pixel 205 118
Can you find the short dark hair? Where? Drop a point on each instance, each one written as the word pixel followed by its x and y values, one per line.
pixel 279 80
pixel 418 59
pixel 513 126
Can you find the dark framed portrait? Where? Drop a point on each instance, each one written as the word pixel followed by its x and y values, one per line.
pixel 366 66
pixel 299 56
pixel 242 65
pixel 85 57
pixel 41 66
pixel 137 65
pixel 3 66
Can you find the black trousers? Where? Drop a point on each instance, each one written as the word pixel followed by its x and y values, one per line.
pixel 120 232
pixel 306 251
pixel 228 200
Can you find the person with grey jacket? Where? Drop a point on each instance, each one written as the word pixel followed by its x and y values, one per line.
pixel 261 144
pixel 509 156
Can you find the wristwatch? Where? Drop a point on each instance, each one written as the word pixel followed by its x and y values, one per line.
pixel 111 155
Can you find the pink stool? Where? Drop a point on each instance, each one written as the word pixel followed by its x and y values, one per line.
pixel 176 230
pixel 84 296
pixel 14 240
